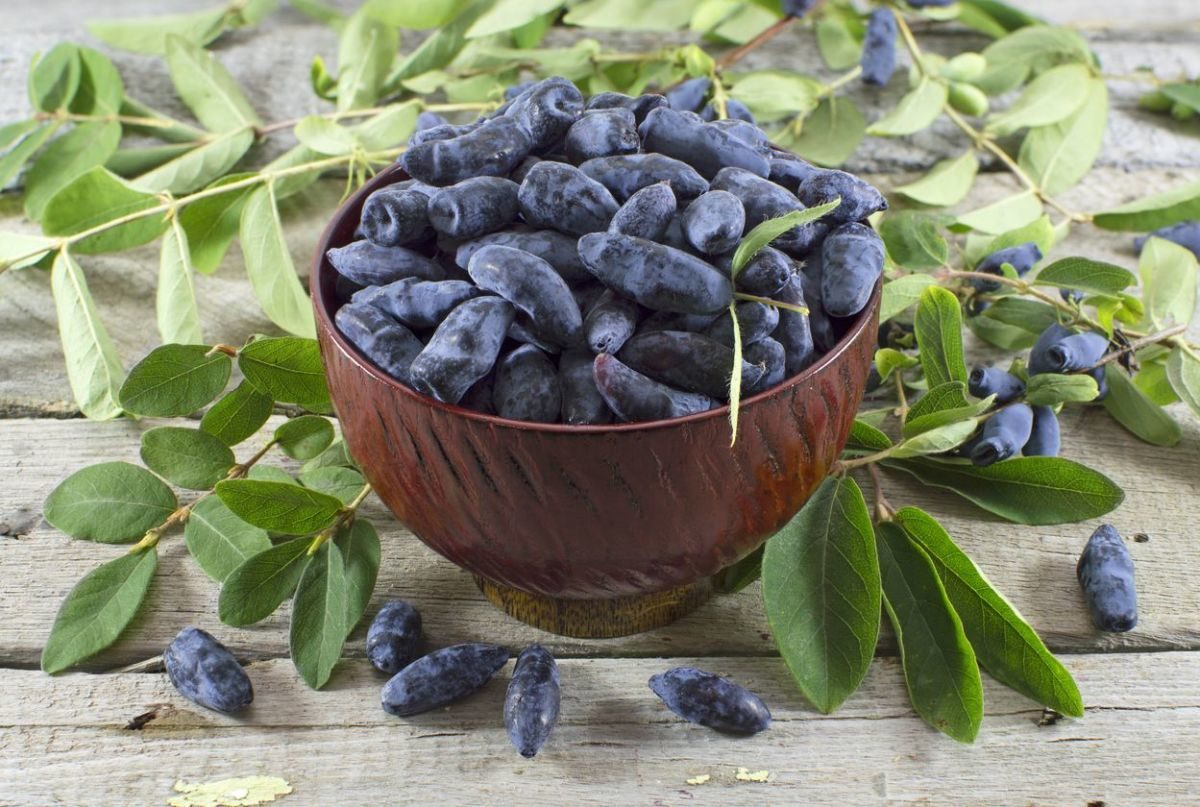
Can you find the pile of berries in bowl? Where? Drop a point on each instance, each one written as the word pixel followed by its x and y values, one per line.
pixel 570 261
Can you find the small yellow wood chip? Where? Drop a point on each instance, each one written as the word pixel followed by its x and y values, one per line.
pixel 245 791
pixel 699 780
pixel 746 775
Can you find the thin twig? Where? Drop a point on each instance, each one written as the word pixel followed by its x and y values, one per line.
pixel 1137 344
pixel 766 35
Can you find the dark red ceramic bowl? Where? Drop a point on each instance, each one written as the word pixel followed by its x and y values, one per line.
pixel 587 512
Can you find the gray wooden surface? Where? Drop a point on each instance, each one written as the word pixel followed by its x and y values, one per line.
pixel 63 740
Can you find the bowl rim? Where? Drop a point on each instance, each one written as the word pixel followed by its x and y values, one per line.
pixel 323 310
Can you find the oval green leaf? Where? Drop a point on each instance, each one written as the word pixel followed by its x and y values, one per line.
pixel 256 587
pixel 947 183
pixel 304 437
pixel 189 458
pixel 97 198
pixel 288 369
pixel 93 366
pixel 278 506
pixel 112 503
pixel 66 159
pixel 176 309
pixel 270 268
pixel 207 87
pixel 1140 416
pixel 938 328
pixel 344 483
pixel 1086 275
pixel 220 541
pixel 239 414
pixel 175 380
pixel 1051 389
pixel 319 611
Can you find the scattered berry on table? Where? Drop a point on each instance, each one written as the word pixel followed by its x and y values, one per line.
pixel 206 673
pixel 1105 573
pixel 710 700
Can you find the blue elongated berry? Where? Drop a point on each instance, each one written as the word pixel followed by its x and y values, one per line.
pixel 442 677
pixel 852 261
pixel 441 131
pixel 756 321
pixel 762 200
pixel 394 638
pixel 602 133
pixel 532 702
pixel 382 339
pixel 1022 258
pixel 706 148
pixel 582 403
pixel 688 361
pixel 463 348
pixel 546 110
pixel 625 175
pixel 790 171
pixel 557 196
pixel 523 330
pixel 795 330
pixel 688 96
pixel 1186 234
pixel 671 321
pixel 985 381
pixel 1003 435
pixel 474 207
pixel 710 700
pixel 647 213
pixel 1058 350
pixel 659 277
pixel 493 149
pixel 527 386
pixel 1105 572
pixel 748 132
pixel 417 303
pixel 1044 439
pixel 533 286
pixel 639 105
pixel 766 274
pixel 797 8
pixel 823 331
pixel 634 397
pixel 393 216
pixel 879 47
pixel 771 356
pixel 734 110
pixel 555 248
pixel 610 323
pixel 206 673
pixel 714 222
pixel 859 198
pixel 369 264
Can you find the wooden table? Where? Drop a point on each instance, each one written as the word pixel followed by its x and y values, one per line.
pixel 68 739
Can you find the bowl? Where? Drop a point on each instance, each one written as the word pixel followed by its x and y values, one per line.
pixel 588 530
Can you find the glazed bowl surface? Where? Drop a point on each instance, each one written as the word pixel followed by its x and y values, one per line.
pixel 588 512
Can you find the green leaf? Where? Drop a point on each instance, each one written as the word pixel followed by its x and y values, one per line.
pixel 100 91
pixel 54 78
pixel 110 503
pixel 1086 275
pixel 149 34
pixel 389 128
pixel 343 483
pixel 304 437
pixel 1033 49
pixel 1054 95
pixel 913 240
pixel 1006 337
pixel 1040 231
pixel 269 266
pixel 212 222
pixel 271 473
pixel 735 378
pixel 1140 416
pixel 219 540
pixel 774 94
pixel 631 15
pixel 839 38
pixel 1168 282
pixel 277 506
pixel 196 168
pixel 1024 490
pixel 440 47
pixel 253 590
pixel 769 230
pixel 939 664
pixel 99 197
pixel 1005 645
pixel 93 367
pixel 11 133
pixel 131 162
pixel 98 609
pixel 940 417
pixel 506 15
pixel 359 545
pixel 821 589
pixel 288 369
pixel 175 380
pixel 938 328
pixel 946 396
pixel 864 435
pixel 938 439
pixel 888 360
pixel 1051 389
pixel 324 136
pixel 1030 316
pixel 239 414
pixel 901 293
pixel 28 143
pixel 415 16
pixel 176 308
pixel 207 87
pixel 18 250
pixel 1183 371
pixel 1153 212
pixel 174 131
pixel 366 51
pixel 1007 214
pixel 1058 156
pixel 189 458
pixel 322 12
pixel 737 576
pixel 916 111
pixel 830 133
pixel 319 610
pixel 1153 381
pixel 336 456
pixel 947 183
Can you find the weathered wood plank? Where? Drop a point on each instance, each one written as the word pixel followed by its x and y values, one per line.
pixel 1034 566
pixel 64 742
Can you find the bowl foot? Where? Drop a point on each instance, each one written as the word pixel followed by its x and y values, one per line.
pixel 597 619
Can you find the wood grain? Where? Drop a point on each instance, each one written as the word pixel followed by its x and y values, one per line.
pixel 65 741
